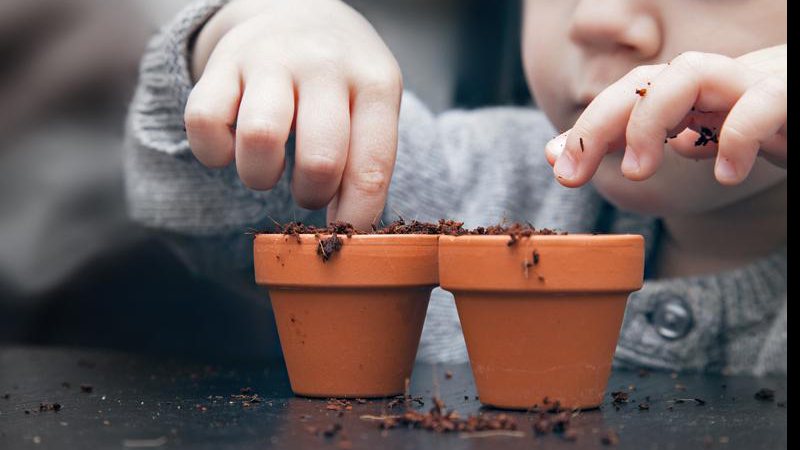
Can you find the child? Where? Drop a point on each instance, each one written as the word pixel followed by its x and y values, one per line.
pixel 713 214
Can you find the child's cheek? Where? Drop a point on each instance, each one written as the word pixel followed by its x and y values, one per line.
pixel 544 46
pixel 546 81
pixel 672 190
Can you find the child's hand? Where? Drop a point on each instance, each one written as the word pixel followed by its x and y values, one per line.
pixel 316 66
pixel 738 107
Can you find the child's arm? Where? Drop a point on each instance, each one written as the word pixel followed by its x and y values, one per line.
pixel 481 166
pixel 203 213
pixel 315 64
pixel 738 105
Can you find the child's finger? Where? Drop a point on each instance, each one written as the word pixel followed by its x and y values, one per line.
pixel 692 80
pixel 600 129
pixel 753 121
pixel 323 134
pixel 554 148
pixel 262 128
pixel 373 147
pixel 210 115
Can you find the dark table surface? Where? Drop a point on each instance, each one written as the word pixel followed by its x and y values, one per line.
pixel 145 402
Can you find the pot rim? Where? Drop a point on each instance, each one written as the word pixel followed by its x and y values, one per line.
pixel 363 262
pixel 542 264
pixel 551 239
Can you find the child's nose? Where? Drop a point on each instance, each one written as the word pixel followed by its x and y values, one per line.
pixel 615 25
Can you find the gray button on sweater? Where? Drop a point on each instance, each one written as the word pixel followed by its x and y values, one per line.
pixel 481 166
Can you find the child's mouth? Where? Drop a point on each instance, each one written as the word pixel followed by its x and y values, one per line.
pixel 580 105
pixel 584 101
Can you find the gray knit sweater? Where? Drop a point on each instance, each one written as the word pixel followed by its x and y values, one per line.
pixel 479 166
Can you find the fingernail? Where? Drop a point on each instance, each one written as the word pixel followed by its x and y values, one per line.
pixel 557 144
pixel 725 170
pixel 630 162
pixel 565 167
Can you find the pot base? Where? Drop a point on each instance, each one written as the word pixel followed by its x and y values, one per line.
pixel 537 349
pixel 350 343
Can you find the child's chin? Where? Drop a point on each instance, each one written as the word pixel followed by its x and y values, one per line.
pixel 681 187
pixel 642 203
pixel 668 193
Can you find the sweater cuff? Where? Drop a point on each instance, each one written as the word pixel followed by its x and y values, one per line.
pixel 156 116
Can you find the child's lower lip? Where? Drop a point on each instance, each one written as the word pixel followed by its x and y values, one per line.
pixel 584 99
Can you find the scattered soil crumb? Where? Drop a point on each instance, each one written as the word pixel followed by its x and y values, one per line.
pixel 328 431
pixel 47 407
pixel 696 401
pixel 556 421
pixel 406 399
pixel 335 404
pixel 246 397
pixel 619 398
pixel 441 420
pixel 706 135
pixel 610 437
pixel 765 395
pixel 328 246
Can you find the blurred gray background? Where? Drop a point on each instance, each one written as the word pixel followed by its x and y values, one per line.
pixel 73 269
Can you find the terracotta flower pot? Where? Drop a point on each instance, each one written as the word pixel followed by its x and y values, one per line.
pixel 348 326
pixel 541 318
